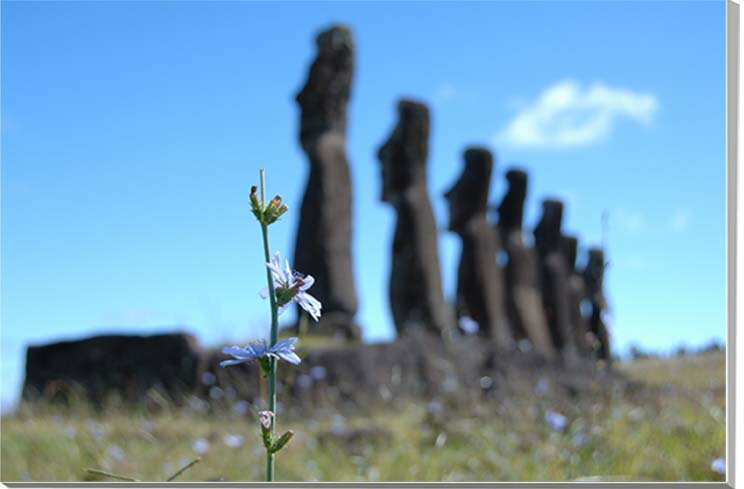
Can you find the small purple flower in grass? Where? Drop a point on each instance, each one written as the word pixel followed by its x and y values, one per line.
pixel 259 350
pixel 719 465
pixel 555 420
pixel 289 286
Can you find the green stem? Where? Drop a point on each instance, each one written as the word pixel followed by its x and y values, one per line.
pixel 110 475
pixel 184 469
pixel 274 335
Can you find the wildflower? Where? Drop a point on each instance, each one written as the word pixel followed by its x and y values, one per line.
pixel 718 465
pixel 580 439
pixel 232 440
pixel 265 417
pixel 200 445
pixel 241 408
pixel 318 372
pixel 208 378
pixel 468 325
pixel 259 350
pixel 435 408
pixel 289 286
pixel 555 420
pixel 116 453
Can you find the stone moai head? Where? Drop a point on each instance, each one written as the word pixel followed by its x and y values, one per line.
pixel 326 93
pixel 548 230
pixel 511 209
pixel 570 245
pixel 469 195
pixel 403 156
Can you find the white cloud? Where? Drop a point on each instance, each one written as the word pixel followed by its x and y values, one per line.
pixel 679 220
pixel 567 115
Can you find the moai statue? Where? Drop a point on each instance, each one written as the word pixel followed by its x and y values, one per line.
pixel 554 275
pixel 323 243
pixel 594 278
pixel 416 297
pixel 480 281
pixel 523 300
pixel 576 294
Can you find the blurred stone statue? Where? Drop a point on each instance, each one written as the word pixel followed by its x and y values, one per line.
pixel 323 243
pixel 554 275
pixel 594 278
pixel 576 294
pixel 416 297
pixel 523 299
pixel 480 281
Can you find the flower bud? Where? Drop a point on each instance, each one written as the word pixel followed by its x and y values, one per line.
pixel 256 207
pixel 274 209
pixel 283 440
pixel 265 418
pixel 274 204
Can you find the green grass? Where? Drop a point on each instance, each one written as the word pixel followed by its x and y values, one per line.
pixel 671 431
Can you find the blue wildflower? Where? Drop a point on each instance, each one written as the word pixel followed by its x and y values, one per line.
pixel 289 286
pixel 259 350
pixel 719 465
pixel 468 325
pixel 555 420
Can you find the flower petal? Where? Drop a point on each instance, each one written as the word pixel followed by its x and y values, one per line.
pixel 289 276
pixel 237 351
pixel 276 272
pixel 264 293
pixel 308 282
pixel 259 348
pixel 286 343
pixel 288 356
pixel 227 363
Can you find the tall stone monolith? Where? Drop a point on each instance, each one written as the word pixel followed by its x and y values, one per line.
pixel 481 291
pixel 323 242
pixel 416 296
pixel 554 276
pixel 523 298
pixel 594 278
pixel 576 294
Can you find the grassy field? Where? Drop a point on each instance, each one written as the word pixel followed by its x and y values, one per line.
pixel 670 432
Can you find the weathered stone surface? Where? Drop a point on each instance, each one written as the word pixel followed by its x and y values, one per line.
pixel 576 294
pixel 554 277
pixel 594 279
pixel 416 297
pixel 125 365
pixel 481 290
pixel 523 296
pixel 352 378
pixel 323 242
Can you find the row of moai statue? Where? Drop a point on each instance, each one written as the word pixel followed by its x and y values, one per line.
pixel 538 295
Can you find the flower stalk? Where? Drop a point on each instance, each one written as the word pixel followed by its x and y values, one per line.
pixel 273 337
pixel 284 287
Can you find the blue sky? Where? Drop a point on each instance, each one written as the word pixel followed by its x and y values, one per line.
pixel 131 133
